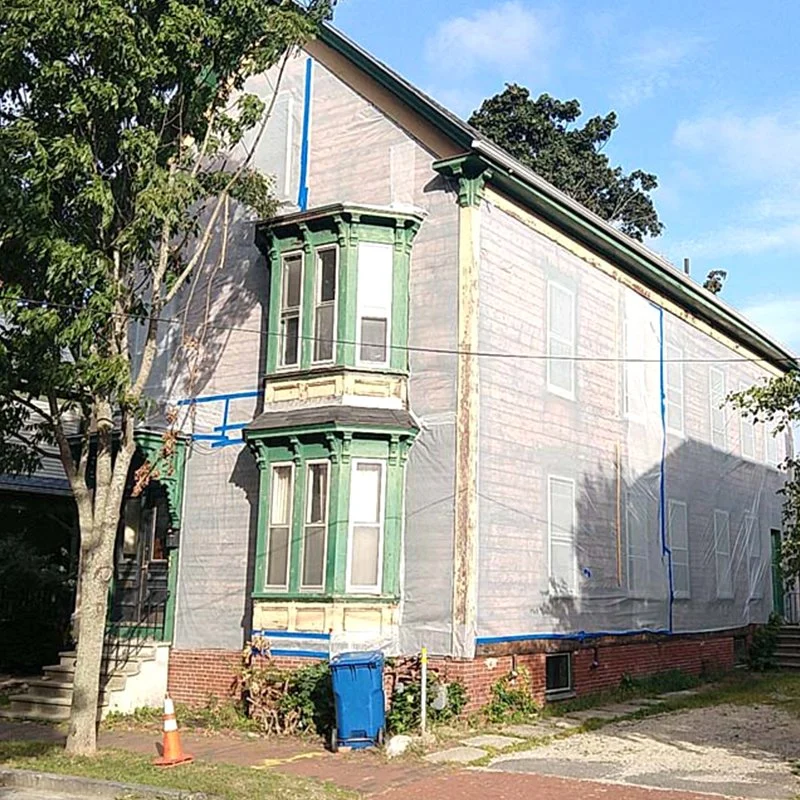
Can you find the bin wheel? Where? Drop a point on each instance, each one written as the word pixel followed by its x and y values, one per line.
pixel 381 737
pixel 334 741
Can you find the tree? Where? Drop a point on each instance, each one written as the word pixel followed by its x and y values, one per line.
pixel 776 402
pixel 539 134
pixel 715 280
pixel 122 147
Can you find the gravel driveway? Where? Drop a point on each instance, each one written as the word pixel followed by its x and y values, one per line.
pixel 738 751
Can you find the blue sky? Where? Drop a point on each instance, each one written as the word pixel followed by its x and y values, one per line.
pixel 707 94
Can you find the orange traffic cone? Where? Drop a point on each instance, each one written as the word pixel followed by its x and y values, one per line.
pixel 172 754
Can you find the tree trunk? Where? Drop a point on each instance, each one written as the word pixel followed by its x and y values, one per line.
pixel 96 570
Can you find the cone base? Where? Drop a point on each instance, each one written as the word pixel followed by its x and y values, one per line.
pixel 173 762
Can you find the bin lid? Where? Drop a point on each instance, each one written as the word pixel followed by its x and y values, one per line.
pixel 358 659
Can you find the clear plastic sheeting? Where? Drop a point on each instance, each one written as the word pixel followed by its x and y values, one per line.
pixel 618 492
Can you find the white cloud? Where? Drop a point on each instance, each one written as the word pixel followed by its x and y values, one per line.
pixel 753 148
pixel 745 239
pixel 779 316
pixel 505 36
pixel 654 63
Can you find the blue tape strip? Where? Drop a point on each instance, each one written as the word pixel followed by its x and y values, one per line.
pixel 320 637
pixel 302 194
pixel 301 653
pixel 662 511
pixel 216 398
pixel 576 636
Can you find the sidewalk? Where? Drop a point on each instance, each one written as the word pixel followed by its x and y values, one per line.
pixel 366 772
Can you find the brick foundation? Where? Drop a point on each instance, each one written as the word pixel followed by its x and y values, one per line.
pixel 197 675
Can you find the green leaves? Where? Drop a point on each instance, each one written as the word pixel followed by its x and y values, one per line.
pixel 539 133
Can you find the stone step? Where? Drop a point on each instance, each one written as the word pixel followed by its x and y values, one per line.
pixel 65 672
pixel 790 665
pixel 112 658
pixel 43 688
pixel 36 706
pixel 788 654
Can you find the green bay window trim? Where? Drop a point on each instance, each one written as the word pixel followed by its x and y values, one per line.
pixel 338 288
pixel 330 513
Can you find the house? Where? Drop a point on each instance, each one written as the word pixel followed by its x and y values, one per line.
pixel 434 402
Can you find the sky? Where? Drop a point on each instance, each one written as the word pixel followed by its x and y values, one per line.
pixel 707 95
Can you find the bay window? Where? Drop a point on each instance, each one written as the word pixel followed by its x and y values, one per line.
pixel 291 309
pixel 315 527
pixel 366 527
pixel 374 302
pixel 325 305
pixel 280 526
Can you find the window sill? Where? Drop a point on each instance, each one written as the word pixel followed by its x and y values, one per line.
pixel 305 597
pixel 288 373
pixel 556 695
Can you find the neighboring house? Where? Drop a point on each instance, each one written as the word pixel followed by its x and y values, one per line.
pixel 476 418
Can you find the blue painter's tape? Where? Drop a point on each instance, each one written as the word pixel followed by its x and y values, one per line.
pixel 302 193
pixel 319 637
pixel 301 653
pixel 576 636
pixel 662 502
pixel 216 398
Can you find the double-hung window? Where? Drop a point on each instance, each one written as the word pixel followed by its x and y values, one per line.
pixel 752 535
pixel 374 303
pixel 638 551
pixel 291 309
pixel 771 446
pixel 280 525
pixel 325 304
pixel 747 430
pixel 315 525
pixel 673 379
pixel 716 384
pixel 678 531
pixel 367 513
pixel 722 554
pixel 560 340
pixel 561 535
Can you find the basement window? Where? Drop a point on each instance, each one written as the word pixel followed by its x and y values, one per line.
pixel 558 669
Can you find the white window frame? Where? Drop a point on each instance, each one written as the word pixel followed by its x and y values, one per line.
pixel 571 589
pixel 746 425
pixel 682 594
pixel 674 355
pixel 281 338
pixel 318 302
pixel 551 387
pixel 752 534
pixel 717 407
pixel 720 515
pixel 636 591
pixel 306 498
pixel 369 312
pixel 351 587
pixel 272 467
pixel 771 457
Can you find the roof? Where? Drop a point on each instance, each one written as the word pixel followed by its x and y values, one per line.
pixel 335 416
pixel 514 178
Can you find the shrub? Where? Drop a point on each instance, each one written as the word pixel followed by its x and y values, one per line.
pixel 445 702
pixel 761 655
pixel 512 700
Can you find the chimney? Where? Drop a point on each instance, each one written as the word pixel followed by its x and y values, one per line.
pixel 686 266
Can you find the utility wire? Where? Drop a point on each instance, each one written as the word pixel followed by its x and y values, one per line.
pixel 790 363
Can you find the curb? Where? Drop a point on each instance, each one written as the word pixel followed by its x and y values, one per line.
pixel 89 787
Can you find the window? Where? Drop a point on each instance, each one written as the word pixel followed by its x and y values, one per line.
pixel 291 300
pixel 374 306
pixel 678 532
pixel 722 553
pixel 716 392
pixel 132 523
pixel 325 305
pixel 558 674
pixel 315 526
pixel 753 540
pixel 365 546
pixel 771 446
pixel 560 340
pixel 747 431
pixel 280 525
pixel 561 535
pixel 638 552
pixel 673 386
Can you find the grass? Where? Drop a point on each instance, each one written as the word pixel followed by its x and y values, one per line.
pixel 219 780
pixel 215 716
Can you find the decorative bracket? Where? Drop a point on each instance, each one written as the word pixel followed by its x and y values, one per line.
pixel 166 451
pixel 471 172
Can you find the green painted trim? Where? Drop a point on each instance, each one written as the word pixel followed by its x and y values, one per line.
pixel 472 173
pixel 172 474
pixel 276 433
pixel 172 592
pixel 264 473
pixel 345 226
pixel 298 508
pixel 333 597
pixel 338 533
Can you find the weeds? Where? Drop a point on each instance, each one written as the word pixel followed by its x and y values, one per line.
pixel 512 700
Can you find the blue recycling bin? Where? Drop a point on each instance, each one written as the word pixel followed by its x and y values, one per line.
pixel 358 696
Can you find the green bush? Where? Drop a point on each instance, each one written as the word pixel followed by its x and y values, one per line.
pixel 512 700
pixel 310 696
pixel 761 655
pixel 405 712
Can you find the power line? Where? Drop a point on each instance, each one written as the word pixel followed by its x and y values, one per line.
pixel 433 350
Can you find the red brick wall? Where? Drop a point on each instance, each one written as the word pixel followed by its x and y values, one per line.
pixel 197 675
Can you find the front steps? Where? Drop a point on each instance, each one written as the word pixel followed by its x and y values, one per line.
pixel 134 674
pixel 787 654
